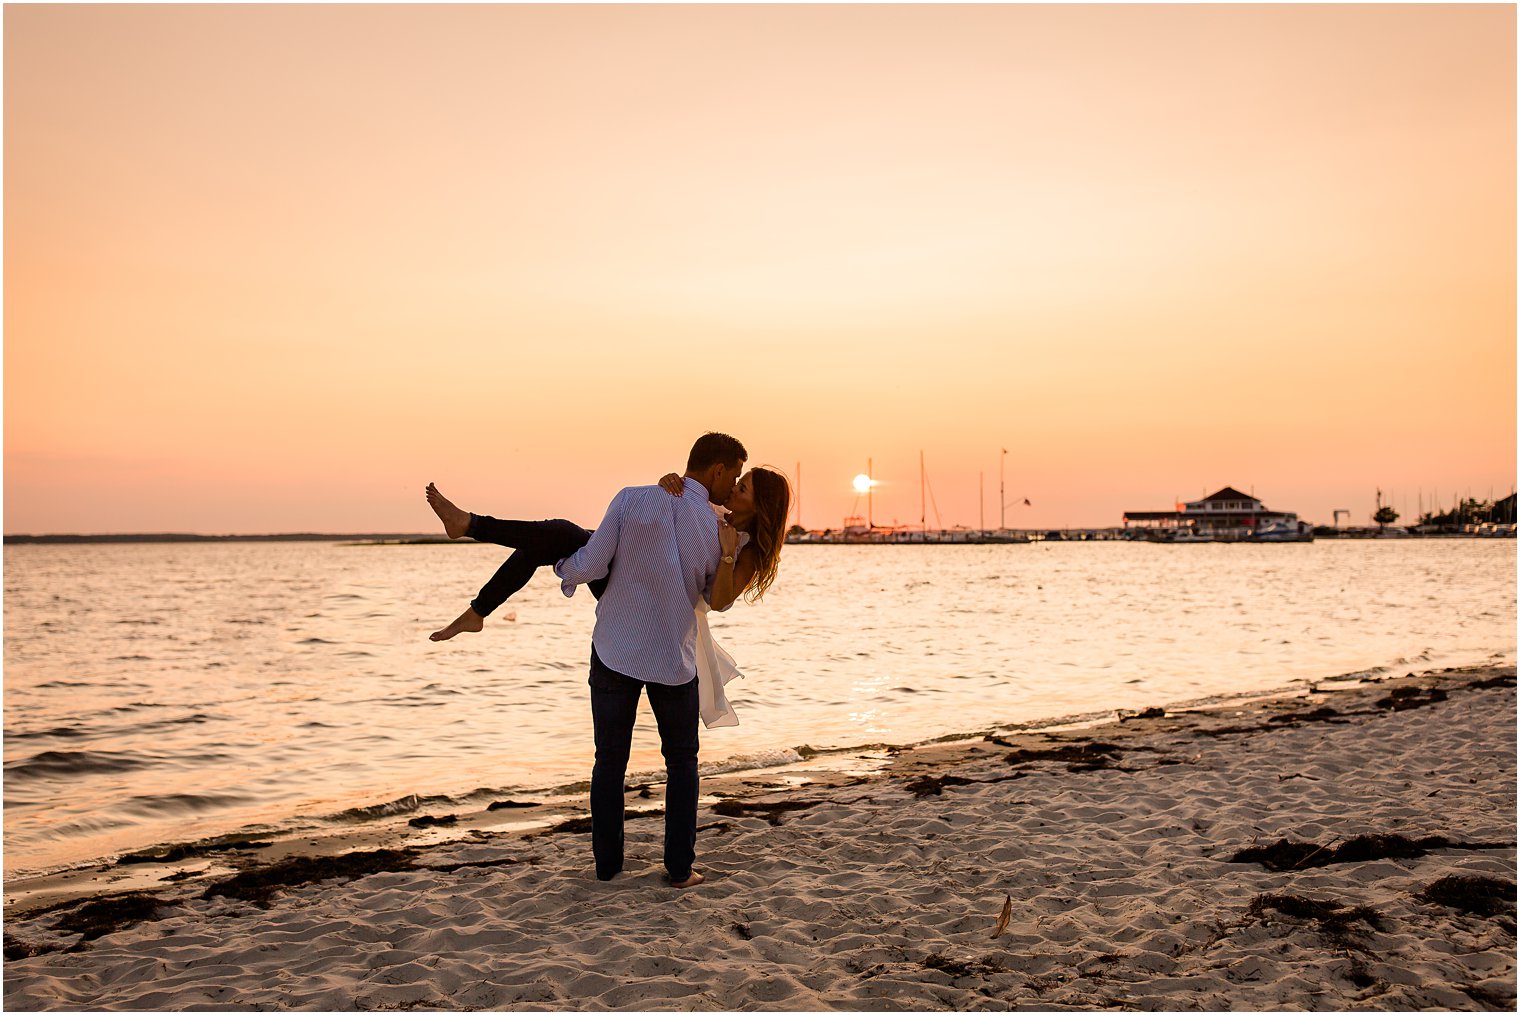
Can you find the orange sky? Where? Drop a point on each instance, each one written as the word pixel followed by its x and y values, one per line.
pixel 274 268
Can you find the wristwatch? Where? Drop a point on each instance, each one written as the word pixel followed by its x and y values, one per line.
pixel 728 559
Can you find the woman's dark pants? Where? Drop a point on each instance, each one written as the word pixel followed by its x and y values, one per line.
pixel 614 703
pixel 538 544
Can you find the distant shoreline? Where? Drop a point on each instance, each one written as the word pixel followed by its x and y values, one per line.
pixel 417 539
pixel 185 537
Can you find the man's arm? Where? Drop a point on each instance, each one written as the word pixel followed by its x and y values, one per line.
pixel 593 560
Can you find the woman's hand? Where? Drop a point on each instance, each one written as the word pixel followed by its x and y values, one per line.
pixel 672 484
pixel 728 538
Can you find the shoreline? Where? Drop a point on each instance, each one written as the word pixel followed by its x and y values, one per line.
pixel 403 822
pixel 843 868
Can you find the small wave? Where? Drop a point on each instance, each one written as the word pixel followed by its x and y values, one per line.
pixel 180 803
pixel 772 758
pixel 389 809
pixel 67 683
pixel 51 764
pixel 131 659
pixel 316 641
pixel 57 731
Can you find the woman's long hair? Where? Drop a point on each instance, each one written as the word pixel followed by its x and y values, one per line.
pixel 773 502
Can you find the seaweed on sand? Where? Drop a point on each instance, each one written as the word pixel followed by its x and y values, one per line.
pixel 1287 855
pixel 1402 699
pixel 1340 925
pixel 92 919
pixel 1334 919
pixel 1080 757
pixel 260 885
pixel 957 967
pixel 1472 893
pixel 185 851
pixel 934 785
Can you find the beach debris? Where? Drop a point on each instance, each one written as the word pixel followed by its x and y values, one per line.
pixel 1401 699
pixel 1322 714
pixel 428 821
pixel 15 948
pixel 1502 680
pixel 99 917
pixel 1475 894
pixel 1287 855
pixel 742 929
pixel 1003 918
pixel 934 785
pixel 958 967
pixel 497 805
pixel 1334 918
pixel 185 851
pixel 770 811
pixel 1080 757
pixel 260 885
pixel 1146 713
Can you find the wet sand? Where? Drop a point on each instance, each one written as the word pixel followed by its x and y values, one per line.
pixel 1350 847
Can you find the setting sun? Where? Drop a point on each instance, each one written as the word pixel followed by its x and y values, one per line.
pixel 863 483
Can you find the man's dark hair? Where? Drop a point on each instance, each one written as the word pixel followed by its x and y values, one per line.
pixel 715 449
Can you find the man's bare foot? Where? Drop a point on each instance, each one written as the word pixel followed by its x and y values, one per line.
pixel 456 522
pixel 469 621
pixel 691 882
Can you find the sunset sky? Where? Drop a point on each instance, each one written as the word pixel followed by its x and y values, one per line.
pixel 274 268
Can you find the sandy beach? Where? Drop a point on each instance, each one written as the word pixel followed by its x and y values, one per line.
pixel 1351 847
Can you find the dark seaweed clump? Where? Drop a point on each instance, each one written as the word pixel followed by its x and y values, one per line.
pixel 1324 714
pixel 1404 698
pixel 1332 918
pixel 182 851
pixel 1078 757
pixel 259 886
pixel 1287 855
pixel 956 967
pixel 1472 893
pixel 1502 680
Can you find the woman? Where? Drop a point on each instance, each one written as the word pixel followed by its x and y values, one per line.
pixel 755 528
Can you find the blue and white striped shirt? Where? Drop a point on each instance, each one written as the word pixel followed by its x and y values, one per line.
pixel 663 552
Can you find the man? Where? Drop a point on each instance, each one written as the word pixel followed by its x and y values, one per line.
pixel 668 558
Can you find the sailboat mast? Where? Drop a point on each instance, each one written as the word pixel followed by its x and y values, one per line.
pixel 923 516
pixel 870 489
pixel 799 493
pixel 1002 494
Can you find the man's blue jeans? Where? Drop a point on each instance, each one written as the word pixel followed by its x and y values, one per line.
pixel 614 704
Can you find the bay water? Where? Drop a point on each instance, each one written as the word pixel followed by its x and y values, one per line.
pixel 169 692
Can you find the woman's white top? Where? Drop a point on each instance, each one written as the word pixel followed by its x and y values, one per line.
pixel 715 668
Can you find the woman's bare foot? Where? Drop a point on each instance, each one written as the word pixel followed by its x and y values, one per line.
pixel 456 522
pixel 692 881
pixel 469 621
